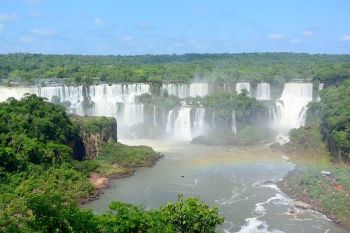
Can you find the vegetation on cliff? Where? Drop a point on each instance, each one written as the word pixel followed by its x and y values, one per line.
pixel 95 132
pixel 250 116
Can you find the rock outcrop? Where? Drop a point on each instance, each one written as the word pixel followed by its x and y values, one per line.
pixel 95 132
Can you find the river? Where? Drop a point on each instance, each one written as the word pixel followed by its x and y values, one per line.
pixel 239 180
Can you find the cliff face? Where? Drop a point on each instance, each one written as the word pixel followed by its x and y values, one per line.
pixel 95 132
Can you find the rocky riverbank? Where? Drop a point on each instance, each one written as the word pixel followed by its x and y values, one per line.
pixel 329 195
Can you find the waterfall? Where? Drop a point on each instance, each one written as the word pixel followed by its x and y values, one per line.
pixel 182 126
pixel 183 90
pixel 320 88
pixel 199 122
pixel 178 89
pixel 198 89
pixel 263 91
pixel 154 116
pixel 15 92
pixel 170 121
pixel 95 100
pixel 213 124
pixel 291 107
pixel 234 123
pixel 242 85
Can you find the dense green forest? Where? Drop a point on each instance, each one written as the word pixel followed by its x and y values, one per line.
pixel 254 67
pixel 42 179
pixel 334 114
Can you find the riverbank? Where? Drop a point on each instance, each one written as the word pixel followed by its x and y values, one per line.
pixel 327 194
pixel 116 161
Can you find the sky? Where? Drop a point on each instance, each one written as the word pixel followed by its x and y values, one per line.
pixel 131 27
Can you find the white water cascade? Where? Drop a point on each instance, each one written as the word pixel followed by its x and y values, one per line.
pixel 234 122
pixel 263 91
pixel 199 122
pixel 320 88
pixel 178 89
pixel 182 125
pixel 242 85
pixel 15 92
pixel 104 99
pixel 198 89
pixel 291 107
pixel 154 116
pixel 170 121
pixel 183 90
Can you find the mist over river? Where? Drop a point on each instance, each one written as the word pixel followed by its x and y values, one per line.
pixel 239 180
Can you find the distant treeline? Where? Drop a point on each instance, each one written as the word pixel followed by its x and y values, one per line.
pixel 252 67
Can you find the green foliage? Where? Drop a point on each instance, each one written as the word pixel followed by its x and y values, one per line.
pixel 34 132
pixel 335 119
pixel 247 110
pixel 96 125
pixel 218 68
pixel 306 139
pixel 192 216
pixel 331 195
pixel 186 215
pixel 16 190
pixel 129 156
pixel 251 135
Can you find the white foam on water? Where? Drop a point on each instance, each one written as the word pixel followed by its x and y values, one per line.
pixel 271 186
pixel 254 225
pixel 278 199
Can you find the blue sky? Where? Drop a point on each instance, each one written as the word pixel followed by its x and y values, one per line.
pixel 178 26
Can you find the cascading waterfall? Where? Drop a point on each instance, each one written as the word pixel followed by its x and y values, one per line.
pixel 199 122
pixel 242 85
pixel 178 89
pixel 234 123
pixel 170 121
pixel 320 88
pixel 263 91
pixel 118 100
pixel 291 107
pixel 105 99
pixel 213 124
pixel 15 92
pixel 183 90
pixel 198 89
pixel 182 125
pixel 154 116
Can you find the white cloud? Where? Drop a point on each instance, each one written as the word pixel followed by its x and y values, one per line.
pixel 345 38
pixel 178 44
pixel 294 41
pixel 26 39
pixel 127 39
pixel 98 21
pixel 8 17
pixel 44 32
pixel 275 37
pixel 144 26
pixel 34 14
pixel 308 33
